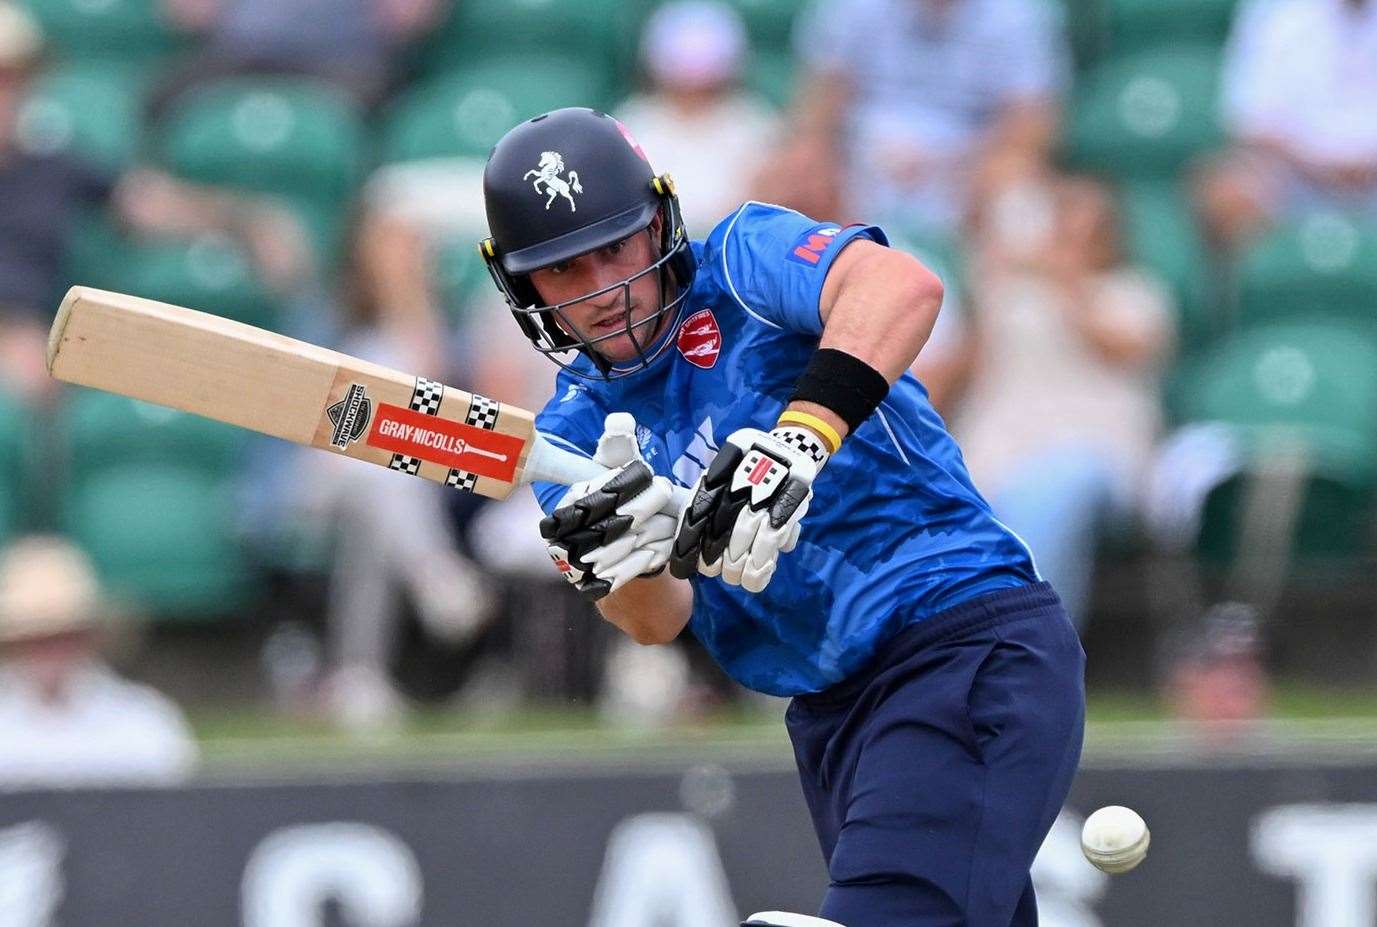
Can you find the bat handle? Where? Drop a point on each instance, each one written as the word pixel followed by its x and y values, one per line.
pixel 551 464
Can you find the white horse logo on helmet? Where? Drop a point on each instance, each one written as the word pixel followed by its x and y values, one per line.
pixel 551 166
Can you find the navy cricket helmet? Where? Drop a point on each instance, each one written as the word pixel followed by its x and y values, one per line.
pixel 542 212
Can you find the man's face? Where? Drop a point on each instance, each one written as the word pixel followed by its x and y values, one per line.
pixel 601 316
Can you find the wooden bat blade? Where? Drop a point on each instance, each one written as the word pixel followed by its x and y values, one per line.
pixel 279 386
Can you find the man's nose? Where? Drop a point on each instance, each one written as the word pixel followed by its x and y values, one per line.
pixel 598 279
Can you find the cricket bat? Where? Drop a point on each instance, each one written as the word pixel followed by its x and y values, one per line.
pixel 300 392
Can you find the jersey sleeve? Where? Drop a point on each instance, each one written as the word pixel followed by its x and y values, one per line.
pixel 571 420
pixel 773 261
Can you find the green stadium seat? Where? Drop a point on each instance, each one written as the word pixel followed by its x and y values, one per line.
pixel 1317 376
pixel 774 76
pixel 464 112
pixel 603 31
pixel 770 22
pixel 1138 25
pixel 1160 234
pixel 274 135
pixel 96 253
pixel 293 138
pixel 1334 523
pixel 1146 115
pixel 89 109
pixel 460 276
pixel 14 432
pixel 1315 383
pixel 1322 265
pixel 101 430
pixel 209 272
pixel 162 538
pixel 1085 27
pixel 82 30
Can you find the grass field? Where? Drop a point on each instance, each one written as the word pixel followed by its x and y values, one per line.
pixel 1304 722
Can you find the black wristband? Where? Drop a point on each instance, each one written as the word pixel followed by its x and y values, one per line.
pixel 845 384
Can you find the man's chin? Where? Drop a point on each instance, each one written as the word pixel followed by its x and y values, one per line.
pixel 622 349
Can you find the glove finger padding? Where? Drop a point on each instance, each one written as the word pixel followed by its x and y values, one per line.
pixel 792 540
pixel 643 550
pixel 594 505
pixel 598 535
pixel 656 533
pixel 710 569
pixel 753 550
pixel 708 517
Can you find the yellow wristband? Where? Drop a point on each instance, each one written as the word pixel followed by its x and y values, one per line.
pixel 825 431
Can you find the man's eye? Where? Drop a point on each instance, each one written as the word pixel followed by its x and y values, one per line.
pixel 616 247
pixel 560 268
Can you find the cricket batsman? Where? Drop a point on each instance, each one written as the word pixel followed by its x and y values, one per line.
pixel 835 549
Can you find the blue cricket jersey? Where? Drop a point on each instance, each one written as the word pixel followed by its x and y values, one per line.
pixel 895 532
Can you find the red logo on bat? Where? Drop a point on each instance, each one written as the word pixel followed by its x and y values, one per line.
pixel 700 340
pixel 451 444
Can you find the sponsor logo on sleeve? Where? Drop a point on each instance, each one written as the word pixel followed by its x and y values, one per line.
pixel 811 245
pixel 700 339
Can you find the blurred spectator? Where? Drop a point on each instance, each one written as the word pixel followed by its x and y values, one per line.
pixel 39 195
pixel 44 194
pixel 917 109
pixel 352 44
pixel 1063 407
pixel 703 129
pixel 1299 99
pixel 1217 676
pixel 392 539
pixel 66 718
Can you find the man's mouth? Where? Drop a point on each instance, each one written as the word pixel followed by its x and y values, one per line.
pixel 616 320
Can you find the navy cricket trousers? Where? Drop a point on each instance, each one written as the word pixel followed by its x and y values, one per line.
pixel 934 775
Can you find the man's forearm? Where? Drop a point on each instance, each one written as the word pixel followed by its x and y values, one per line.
pixel 652 609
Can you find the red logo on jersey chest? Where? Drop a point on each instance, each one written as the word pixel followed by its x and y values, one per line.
pixel 700 340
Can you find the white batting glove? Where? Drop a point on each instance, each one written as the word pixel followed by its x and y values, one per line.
pixel 747 507
pixel 608 531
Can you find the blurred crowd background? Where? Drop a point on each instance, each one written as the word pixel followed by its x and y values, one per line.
pixel 1156 220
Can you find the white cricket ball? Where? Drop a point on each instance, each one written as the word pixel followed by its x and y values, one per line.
pixel 1115 839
